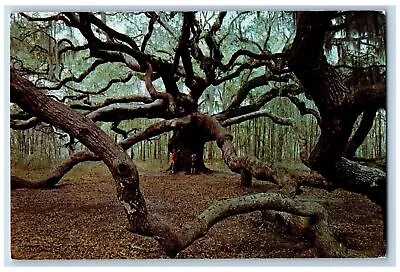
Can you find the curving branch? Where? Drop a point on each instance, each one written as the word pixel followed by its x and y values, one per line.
pixel 286 90
pixel 168 98
pixel 113 100
pixel 78 79
pixel 303 109
pixel 153 18
pixel 57 174
pixel 261 113
pixel 124 172
pixel 362 131
pixel 24 124
pixel 126 177
pixel 72 49
pixel 155 130
pixel 241 68
pixel 62 169
pixel 238 164
pixel 174 240
pixel 56 17
pixel 255 82
pixel 339 107
pixel 264 55
pixel 110 51
pixel 112 113
pixel 105 88
pixel 112 33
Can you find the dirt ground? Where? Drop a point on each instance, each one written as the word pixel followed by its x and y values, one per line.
pixel 82 219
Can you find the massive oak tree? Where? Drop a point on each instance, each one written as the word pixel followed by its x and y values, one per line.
pixel 201 51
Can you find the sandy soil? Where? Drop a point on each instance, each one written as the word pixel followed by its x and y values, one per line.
pixel 81 219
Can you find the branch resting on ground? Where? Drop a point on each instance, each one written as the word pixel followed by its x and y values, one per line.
pixel 175 240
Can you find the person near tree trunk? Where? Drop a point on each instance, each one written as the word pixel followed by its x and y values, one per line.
pixel 173 157
pixel 193 159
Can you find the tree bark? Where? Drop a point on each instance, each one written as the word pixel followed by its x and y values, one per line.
pixel 361 133
pixel 121 167
pixel 255 167
pixel 338 105
pixel 188 140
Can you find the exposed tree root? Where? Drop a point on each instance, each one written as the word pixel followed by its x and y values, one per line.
pixel 314 220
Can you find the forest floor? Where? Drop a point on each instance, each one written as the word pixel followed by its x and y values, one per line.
pixel 82 219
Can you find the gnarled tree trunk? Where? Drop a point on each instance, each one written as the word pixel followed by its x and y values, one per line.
pixel 339 107
pixel 188 140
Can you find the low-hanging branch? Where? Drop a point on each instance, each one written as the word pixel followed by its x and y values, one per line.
pixel 124 172
pixel 355 177
pixel 82 156
pixel 175 240
pixel 57 174
pixel 257 168
pixel 155 130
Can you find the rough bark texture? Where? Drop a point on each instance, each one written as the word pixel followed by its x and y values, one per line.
pixel 339 107
pixel 258 169
pixel 123 170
